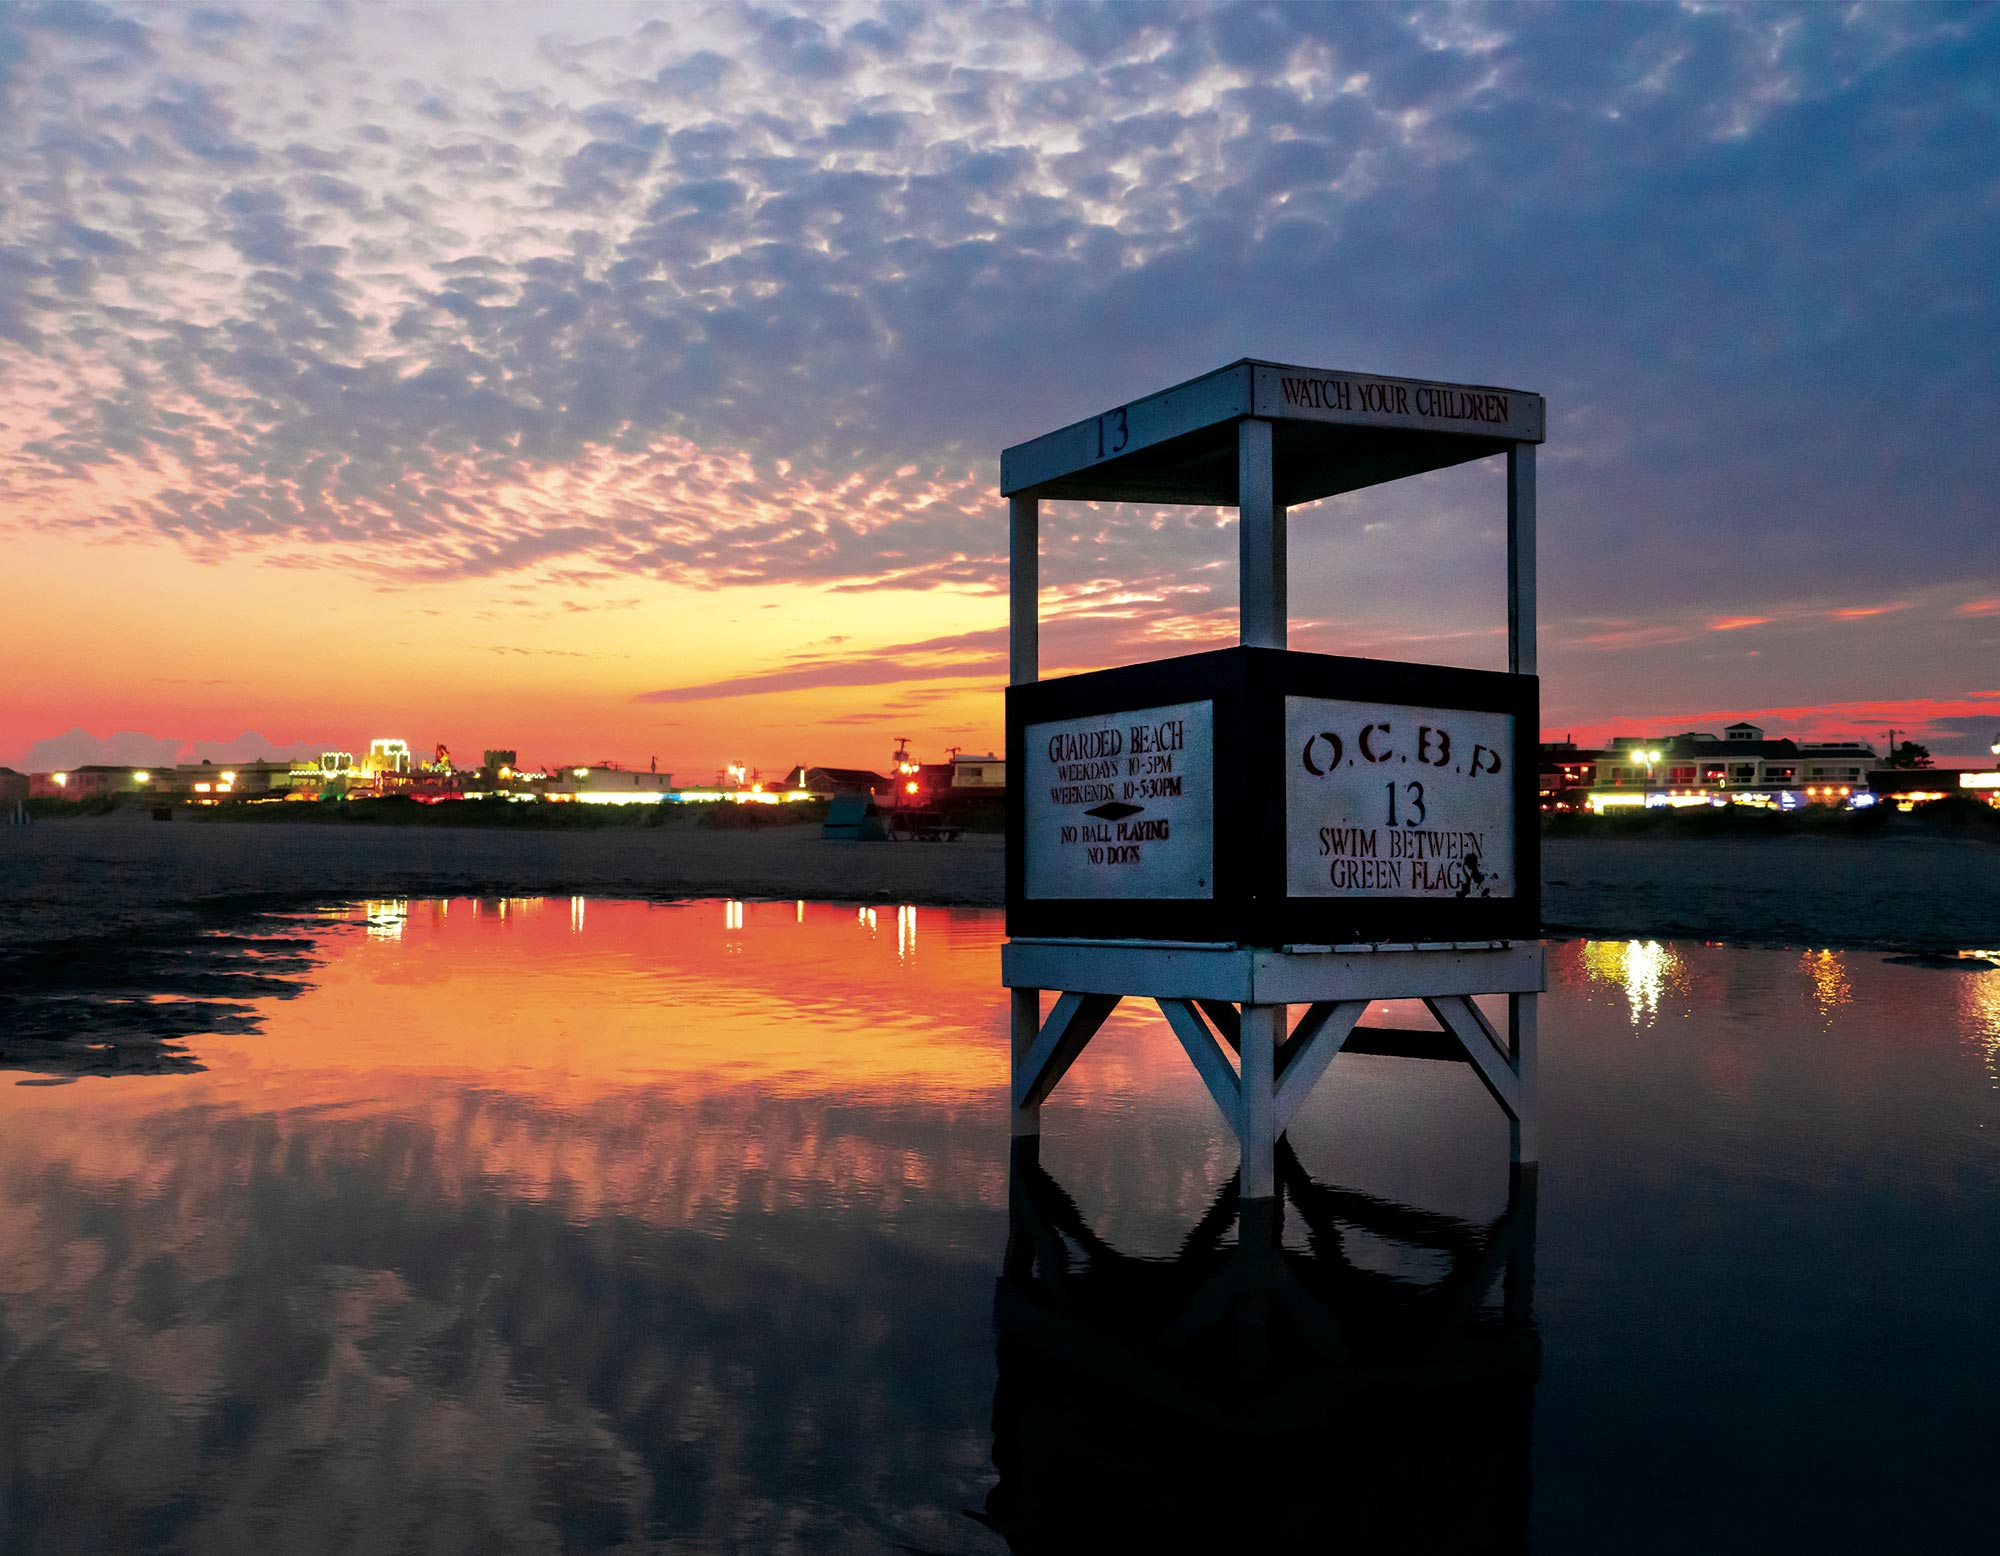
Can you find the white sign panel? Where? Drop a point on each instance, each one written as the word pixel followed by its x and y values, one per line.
pixel 1355 399
pixel 1122 804
pixel 1387 800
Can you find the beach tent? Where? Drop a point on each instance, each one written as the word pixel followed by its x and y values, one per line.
pixel 853 818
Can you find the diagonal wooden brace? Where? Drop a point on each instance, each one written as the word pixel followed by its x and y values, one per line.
pixel 1309 1050
pixel 1210 1063
pixel 1462 1019
pixel 1226 1020
pixel 1071 1025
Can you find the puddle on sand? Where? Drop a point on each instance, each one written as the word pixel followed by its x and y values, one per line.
pixel 553 1221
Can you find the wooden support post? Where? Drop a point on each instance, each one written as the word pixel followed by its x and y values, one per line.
pixel 1518 1283
pixel 1257 1100
pixel 1027 1025
pixel 1260 539
pixel 1522 1038
pixel 1024 1160
pixel 1260 1235
pixel 1521 558
pixel 1024 590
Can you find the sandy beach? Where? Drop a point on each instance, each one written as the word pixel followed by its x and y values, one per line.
pixel 106 877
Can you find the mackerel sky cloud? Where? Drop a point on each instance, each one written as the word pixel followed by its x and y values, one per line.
pixel 427 308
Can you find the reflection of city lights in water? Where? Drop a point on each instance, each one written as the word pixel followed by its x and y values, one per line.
pixel 1827 972
pixel 1645 969
pixel 906 934
pixel 865 917
pixel 732 915
pixel 800 916
pixel 1981 1000
pixel 385 919
pixel 576 915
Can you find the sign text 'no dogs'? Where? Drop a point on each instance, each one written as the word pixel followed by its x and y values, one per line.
pixel 1121 804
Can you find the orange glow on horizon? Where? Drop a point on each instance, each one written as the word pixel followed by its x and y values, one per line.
pixel 550 667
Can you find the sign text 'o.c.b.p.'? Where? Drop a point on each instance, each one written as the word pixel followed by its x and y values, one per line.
pixel 1389 800
pixel 1121 805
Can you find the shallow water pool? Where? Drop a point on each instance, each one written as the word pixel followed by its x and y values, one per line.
pixel 566 1223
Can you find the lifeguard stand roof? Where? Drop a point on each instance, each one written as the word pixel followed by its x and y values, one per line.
pixel 1333 432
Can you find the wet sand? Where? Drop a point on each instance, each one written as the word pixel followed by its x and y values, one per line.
pixel 121 939
pixel 104 875
pixel 1913 894
pixel 108 877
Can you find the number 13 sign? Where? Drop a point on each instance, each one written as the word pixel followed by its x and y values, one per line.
pixel 1390 800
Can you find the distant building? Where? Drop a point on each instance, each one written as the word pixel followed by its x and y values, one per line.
pixel 1742 766
pixel 91 782
pixel 1908 787
pixel 606 786
pixel 388 761
pixel 1568 773
pixel 211 780
pixel 835 780
pixel 978 772
pixel 329 774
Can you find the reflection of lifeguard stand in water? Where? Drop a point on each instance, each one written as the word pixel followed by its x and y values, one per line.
pixel 1252 1396
pixel 1233 833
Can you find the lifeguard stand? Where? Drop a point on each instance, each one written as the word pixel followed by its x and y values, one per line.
pixel 1234 833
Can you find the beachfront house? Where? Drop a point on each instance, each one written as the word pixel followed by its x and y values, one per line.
pixel 1568 773
pixel 94 781
pixel 988 772
pixel 826 781
pixel 1741 766
pixel 605 784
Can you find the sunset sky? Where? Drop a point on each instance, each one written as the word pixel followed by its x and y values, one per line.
pixel 626 381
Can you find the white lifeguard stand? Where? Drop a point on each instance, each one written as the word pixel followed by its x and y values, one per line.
pixel 1238 832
